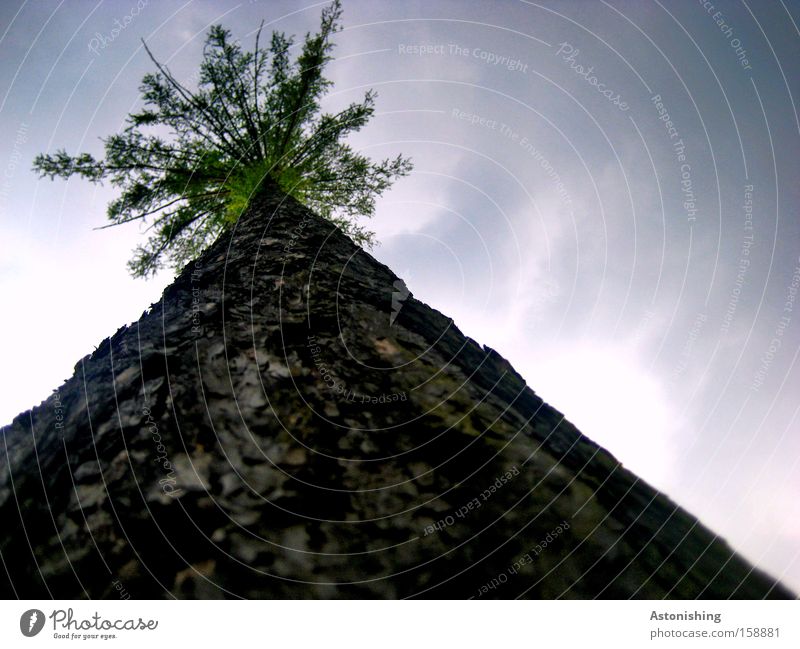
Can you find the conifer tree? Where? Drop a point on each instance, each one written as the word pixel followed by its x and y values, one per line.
pixel 253 122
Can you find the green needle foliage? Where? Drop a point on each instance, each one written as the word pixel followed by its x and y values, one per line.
pixel 253 122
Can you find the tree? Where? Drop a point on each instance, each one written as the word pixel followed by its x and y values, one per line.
pixel 254 121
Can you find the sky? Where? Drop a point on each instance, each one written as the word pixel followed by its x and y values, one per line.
pixel 604 192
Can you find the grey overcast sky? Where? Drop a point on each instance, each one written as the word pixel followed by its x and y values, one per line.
pixel 604 192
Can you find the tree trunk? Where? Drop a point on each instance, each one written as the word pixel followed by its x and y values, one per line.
pixel 289 422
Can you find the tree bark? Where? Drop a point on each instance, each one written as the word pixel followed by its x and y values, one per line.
pixel 289 422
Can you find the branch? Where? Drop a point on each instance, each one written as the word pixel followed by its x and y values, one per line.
pixel 158 209
pixel 190 98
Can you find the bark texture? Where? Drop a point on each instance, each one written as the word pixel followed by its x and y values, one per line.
pixel 288 422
